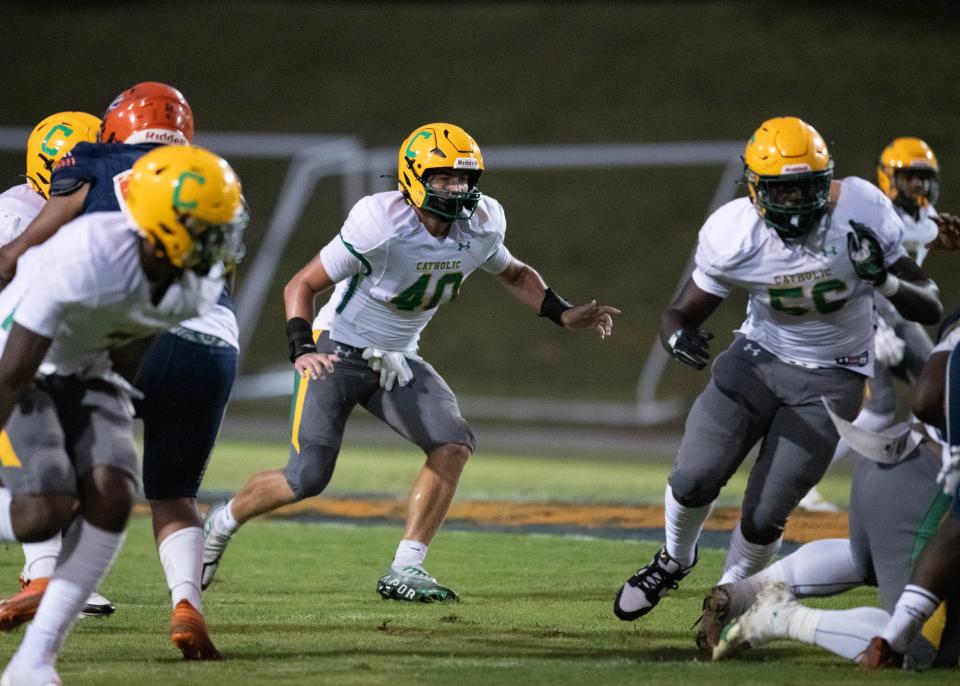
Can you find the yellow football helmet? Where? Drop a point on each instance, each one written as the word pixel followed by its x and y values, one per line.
pixel 187 202
pixel 909 174
pixel 440 146
pixel 53 138
pixel 788 174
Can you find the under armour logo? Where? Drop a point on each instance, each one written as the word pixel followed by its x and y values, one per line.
pixel 463 246
pixel 750 349
pixel 830 250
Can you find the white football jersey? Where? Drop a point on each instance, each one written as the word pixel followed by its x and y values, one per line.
pixel 84 288
pixel 392 274
pixel 18 206
pixel 219 320
pixel 806 304
pixel 918 232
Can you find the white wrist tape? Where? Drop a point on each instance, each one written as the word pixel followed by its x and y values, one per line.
pixel 889 286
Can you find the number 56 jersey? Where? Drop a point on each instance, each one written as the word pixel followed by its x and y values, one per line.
pixel 392 274
pixel 806 304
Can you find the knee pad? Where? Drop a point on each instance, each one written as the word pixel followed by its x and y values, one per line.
pixel 689 493
pixel 757 531
pixel 309 471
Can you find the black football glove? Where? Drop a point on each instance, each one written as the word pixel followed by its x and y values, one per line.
pixel 863 248
pixel 690 346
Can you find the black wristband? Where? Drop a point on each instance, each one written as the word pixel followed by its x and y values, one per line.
pixel 553 306
pixel 299 338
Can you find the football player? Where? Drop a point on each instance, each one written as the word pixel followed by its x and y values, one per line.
pixel 894 512
pixel 68 458
pixel 48 142
pixel 186 375
pixel 810 251
pixel 399 256
pixel 909 174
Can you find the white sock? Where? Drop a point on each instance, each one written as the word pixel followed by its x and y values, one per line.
pixel 867 419
pixel 915 606
pixel 6 524
pixel 410 553
pixel 88 554
pixel 682 526
pixel 40 559
pixel 745 558
pixel 802 623
pixel 821 568
pixel 181 554
pixel 225 521
pixel 847 633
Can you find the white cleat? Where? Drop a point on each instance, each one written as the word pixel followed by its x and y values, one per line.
pixel 215 542
pixel 38 675
pixel 813 501
pixel 764 621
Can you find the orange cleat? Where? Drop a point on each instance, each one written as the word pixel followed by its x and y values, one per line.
pixel 879 655
pixel 188 632
pixel 21 607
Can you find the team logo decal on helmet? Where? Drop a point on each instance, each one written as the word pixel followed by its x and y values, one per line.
pixel 53 138
pixel 909 174
pixel 788 174
pixel 187 201
pixel 440 146
pixel 148 112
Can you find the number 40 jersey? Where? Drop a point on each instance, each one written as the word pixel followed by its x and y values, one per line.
pixel 806 304
pixel 392 274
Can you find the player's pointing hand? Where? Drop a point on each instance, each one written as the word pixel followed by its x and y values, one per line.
pixel 591 316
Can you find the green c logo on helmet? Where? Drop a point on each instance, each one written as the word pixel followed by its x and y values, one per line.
pixel 184 204
pixel 67 132
pixel 410 152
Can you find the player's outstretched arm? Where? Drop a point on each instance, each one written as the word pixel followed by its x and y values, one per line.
pixel 680 324
pixel 21 358
pixel 527 286
pixel 57 211
pixel 298 297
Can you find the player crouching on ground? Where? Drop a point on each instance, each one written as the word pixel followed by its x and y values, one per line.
pixel 67 452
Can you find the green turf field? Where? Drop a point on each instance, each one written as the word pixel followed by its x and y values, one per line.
pixel 295 602
pixel 599 478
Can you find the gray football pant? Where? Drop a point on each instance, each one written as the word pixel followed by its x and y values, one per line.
pixel 754 397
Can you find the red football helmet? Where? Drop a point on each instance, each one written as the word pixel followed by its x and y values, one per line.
pixel 149 112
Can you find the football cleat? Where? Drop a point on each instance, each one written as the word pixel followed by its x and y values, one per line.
pixel 188 631
pixel 715 615
pixel 97 606
pixel 215 542
pixel 813 501
pixel 413 583
pixel 643 590
pixel 879 655
pixel 21 607
pixel 766 620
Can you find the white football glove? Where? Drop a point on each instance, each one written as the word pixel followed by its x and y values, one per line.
pixel 887 345
pixel 949 476
pixel 392 366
